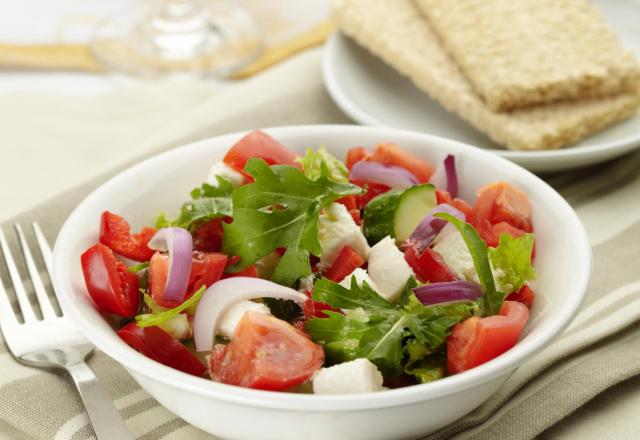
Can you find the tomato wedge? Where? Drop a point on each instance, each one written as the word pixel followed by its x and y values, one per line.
pixel 206 269
pixel 525 295
pixel 111 286
pixel 355 155
pixel 346 262
pixel 391 154
pixel 259 144
pixel 351 203
pixel 371 190
pixel 266 353
pixel 115 233
pixel 155 343
pixel 207 237
pixel 502 202
pixel 428 267
pixel 478 340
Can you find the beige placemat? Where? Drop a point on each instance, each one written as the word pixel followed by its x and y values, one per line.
pixel 600 351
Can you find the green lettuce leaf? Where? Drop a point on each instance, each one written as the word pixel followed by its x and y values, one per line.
pixel 321 163
pixel 160 317
pixel 428 369
pixel 207 202
pixel 280 209
pixel 375 329
pixel 478 250
pixel 511 260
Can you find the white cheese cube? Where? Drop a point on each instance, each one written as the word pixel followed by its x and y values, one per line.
pixel 357 376
pixel 388 269
pixel 232 317
pixel 337 229
pixel 456 255
pixel 223 170
pixel 360 275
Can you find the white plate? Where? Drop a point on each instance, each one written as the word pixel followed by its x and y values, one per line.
pixel 372 93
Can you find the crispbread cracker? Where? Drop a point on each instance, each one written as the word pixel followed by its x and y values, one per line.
pixel 397 32
pixel 518 53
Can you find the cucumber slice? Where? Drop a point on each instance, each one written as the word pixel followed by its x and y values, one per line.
pixel 378 216
pixel 397 212
pixel 415 203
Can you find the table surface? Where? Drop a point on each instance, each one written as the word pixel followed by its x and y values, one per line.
pixel 27 178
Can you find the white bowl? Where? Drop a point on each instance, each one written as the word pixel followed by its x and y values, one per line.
pixel 163 182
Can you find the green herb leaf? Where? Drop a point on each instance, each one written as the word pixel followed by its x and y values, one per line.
pixel 279 209
pixel 363 296
pixel 138 267
pixel 478 250
pixel 151 319
pixel 512 261
pixel 428 369
pixel 375 329
pixel 321 163
pixel 208 202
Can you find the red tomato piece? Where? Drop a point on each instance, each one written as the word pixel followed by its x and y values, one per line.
pixel 207 237
pixel 462 206
pixel 351 203
pixel 155 343
pixel 259 144
pixel 314 309
pixel 250 271
pixel 371 190
pixel 391 154
pixel 507 228
pixel 346 262
pixel 525 295
pixel 266 353
pixel 111 286
pixel 206 269
pixel 478 340
pixel 443 196
pixel 429 267
pixel 355 155
pixel 502 202
pixel 115 233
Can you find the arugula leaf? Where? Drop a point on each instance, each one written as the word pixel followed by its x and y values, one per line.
pixel 428 369
pixel 321 163
pixel 138 267
pixel 151 319
pixel 478 250
pixel 512 261
pixel 375 329
pixel 279 209
pixel 363 296
pixel 207 202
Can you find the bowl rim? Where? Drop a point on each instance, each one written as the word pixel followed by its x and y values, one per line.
pixel 139 365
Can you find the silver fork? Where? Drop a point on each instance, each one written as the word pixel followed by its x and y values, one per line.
pixel 53 341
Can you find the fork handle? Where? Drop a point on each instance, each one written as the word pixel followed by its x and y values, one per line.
pixel 105 418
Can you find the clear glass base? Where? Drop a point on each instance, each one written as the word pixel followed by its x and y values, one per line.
pixel 210 37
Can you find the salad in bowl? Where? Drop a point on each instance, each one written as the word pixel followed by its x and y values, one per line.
pixel 312 274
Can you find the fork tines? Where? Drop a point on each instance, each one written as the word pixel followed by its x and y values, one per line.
pixel 27 311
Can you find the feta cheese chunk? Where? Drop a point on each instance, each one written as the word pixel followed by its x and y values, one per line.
pixel 232 317
pixel 388 269
pixel 455 254
pixel 361 275
pixel 223 170
pixel 357 376
pixel 337 229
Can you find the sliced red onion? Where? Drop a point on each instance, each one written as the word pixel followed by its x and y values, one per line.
pixel 452 176
pixel 223 294
pixel 430 226
pixel 179 245
pixel 445 176
pixel 390 175
pixel 448 292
